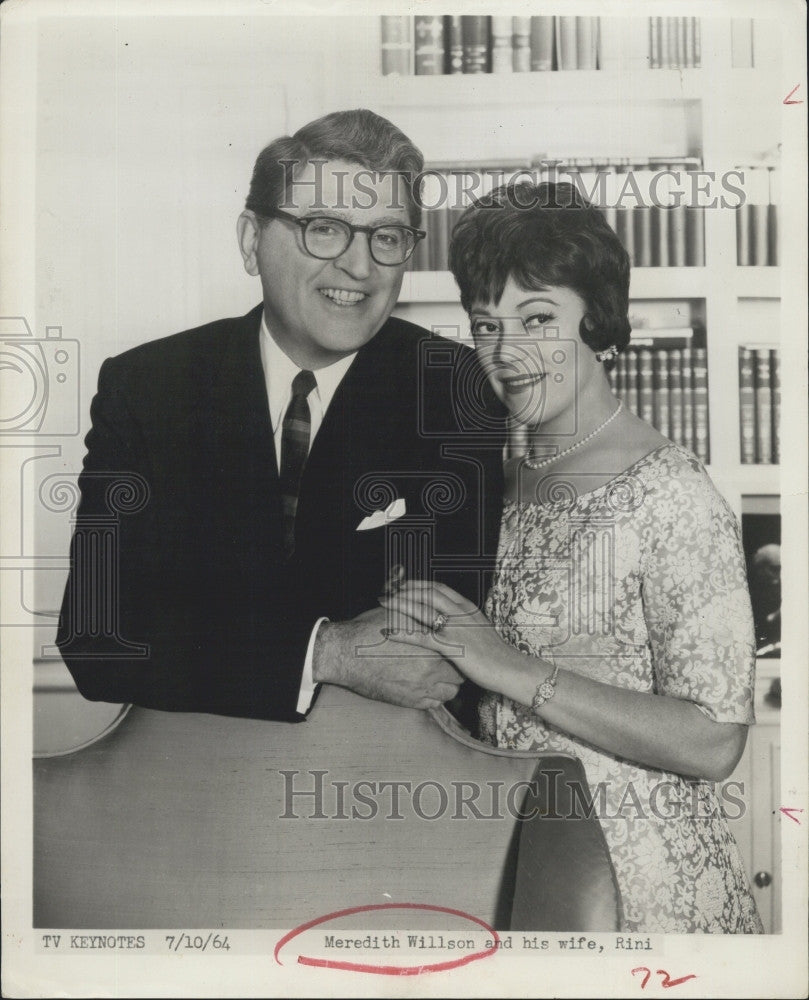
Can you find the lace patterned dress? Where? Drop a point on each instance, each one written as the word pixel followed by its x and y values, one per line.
pixel 639 583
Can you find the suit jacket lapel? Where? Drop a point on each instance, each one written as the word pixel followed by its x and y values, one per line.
pixel 241 442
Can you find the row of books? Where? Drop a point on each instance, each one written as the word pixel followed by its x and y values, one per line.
pixel 430 45
pixel 757 218
pixel 759 405
pixel 668 387
pixel 653 236
pixel 674 43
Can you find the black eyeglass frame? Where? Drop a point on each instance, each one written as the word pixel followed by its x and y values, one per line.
pixel 306 221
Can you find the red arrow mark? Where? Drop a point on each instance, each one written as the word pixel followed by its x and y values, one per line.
pixel 789 810
pixel 787 98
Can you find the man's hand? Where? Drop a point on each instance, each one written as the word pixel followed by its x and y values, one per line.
pixel 354 654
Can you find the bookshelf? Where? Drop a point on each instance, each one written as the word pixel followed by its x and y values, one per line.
pixel 720 113
pixel 725 114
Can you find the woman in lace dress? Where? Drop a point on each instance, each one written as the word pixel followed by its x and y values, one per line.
pixel 618 627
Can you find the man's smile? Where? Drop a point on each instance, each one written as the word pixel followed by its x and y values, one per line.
pixel 343 296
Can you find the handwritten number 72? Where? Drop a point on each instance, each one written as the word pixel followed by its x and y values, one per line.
pixel 666 978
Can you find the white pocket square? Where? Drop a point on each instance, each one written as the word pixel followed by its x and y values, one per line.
pixel 380 518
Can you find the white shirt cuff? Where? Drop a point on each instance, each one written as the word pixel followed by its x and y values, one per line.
pixel 308 687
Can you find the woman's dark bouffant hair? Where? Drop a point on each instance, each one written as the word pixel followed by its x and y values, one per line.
pixel 542 235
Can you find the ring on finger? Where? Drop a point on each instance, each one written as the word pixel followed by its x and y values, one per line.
pixel 440 622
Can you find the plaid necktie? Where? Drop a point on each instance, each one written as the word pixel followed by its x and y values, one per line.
pixel 294 451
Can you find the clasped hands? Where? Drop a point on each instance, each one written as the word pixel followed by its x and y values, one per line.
pixel 439 620
pixel 369 653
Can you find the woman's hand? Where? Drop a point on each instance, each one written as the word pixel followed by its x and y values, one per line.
pixel 437 618
pixel 655 730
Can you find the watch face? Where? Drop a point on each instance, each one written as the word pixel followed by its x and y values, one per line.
pixel 545 690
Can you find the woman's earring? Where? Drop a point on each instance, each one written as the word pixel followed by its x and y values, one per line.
pixel 607 354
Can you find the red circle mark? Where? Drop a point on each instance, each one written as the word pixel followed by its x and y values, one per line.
pixel 388 970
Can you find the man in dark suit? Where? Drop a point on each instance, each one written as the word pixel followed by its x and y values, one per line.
pixel 242 456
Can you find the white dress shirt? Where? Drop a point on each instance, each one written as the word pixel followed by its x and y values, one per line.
pixel 279 371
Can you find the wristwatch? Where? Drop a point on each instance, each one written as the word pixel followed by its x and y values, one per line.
pixel 545 691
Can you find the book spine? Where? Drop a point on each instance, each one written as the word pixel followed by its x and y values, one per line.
pixel 678 221
pixel 763 407
pixel 681 46
pixel 440 249
pixel 662 387
pixel 676 396
pixel 678 224
pixel 611 43
pixel 700 381
pixel 645 386
pixel 665 43
pixel 542 44
pixel 688 399
pixel 429 46
pixel 697 42
pixel 654 42
pixel 397 45
pixel 662 227
pixel 626 216
pixel 607 170
pixel 454 36
pixel 690 61
pixel 747 408
pixel 744 222
pixel 586 42
pixel 521 44
pixel 475 31
pixel 772 218
pixel 454 214
pixel 501 45
pixel 775 378
pixel 614 377
pixel 433 195
pixel 758 196
pixel 632 400
pixel 643 218
pixel 695 235
pixel 566 43
pixel 421 255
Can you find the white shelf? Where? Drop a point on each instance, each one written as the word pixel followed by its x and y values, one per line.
pixel 748 479
pixel 558 87
pixel 646 283
pixel 668 283
pixel 758 282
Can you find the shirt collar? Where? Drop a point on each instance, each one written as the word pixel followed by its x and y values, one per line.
pixel 280 370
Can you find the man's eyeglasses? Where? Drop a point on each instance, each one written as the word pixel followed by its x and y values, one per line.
pixel 327 238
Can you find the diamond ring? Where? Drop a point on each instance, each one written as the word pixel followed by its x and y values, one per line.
pixel 439 621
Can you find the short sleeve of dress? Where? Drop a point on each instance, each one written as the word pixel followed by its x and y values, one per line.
pixel 695 596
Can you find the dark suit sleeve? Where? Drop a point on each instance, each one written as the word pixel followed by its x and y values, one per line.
pixel 135 624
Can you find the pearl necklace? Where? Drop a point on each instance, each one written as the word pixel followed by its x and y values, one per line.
pixel 540 463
